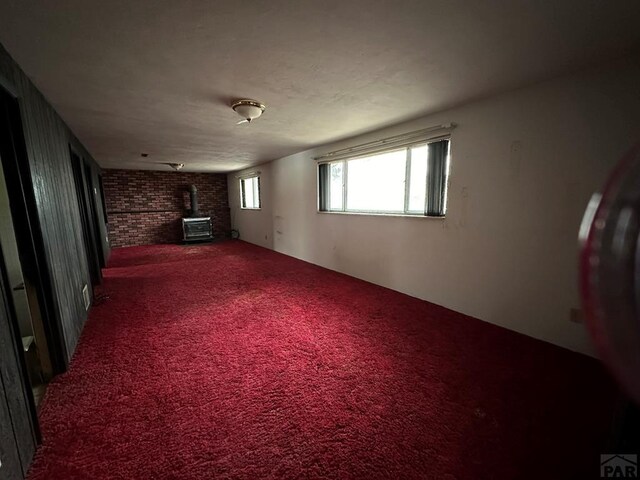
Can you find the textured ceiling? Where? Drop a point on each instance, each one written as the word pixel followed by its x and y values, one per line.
pixel 157 76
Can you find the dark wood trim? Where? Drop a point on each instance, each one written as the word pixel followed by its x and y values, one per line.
pixel 8 86
pixel 103 202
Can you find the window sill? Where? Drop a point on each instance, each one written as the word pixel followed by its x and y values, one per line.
pixel 250 209
pixel 372 214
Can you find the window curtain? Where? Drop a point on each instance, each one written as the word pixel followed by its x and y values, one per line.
pixel 323 187
pixel 437 178
pixel 257 200
pixel 243 198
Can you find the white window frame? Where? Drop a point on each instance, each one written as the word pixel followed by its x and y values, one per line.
pixel 405 212
pixel 256 192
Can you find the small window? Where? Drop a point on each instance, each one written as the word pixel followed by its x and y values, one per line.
pixel 410 180
pixel 250 193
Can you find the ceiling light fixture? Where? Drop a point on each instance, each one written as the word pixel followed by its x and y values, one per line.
pixel 249 110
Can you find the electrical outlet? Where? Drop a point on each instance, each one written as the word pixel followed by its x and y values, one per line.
pixel 576 315
pixel 86 297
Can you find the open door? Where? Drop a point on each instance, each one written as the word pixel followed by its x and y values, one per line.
pixel 11 467
pixel 22 290
pixel 92 194
pixel 18 421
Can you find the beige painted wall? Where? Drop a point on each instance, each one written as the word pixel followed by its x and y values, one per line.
pixel 523 167
pixel 255 226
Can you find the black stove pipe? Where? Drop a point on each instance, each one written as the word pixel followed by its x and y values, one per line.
pixel 193 193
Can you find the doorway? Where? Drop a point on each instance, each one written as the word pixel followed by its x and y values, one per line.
pixel 34 343
pixel 28 282
pixel 88 217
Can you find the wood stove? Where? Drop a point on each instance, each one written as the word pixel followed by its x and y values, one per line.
pixel 196 227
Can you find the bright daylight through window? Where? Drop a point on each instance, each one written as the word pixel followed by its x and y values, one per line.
pixel 405 181
pixel 250 192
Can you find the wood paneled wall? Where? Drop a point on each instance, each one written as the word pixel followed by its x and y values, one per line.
pixel 47 142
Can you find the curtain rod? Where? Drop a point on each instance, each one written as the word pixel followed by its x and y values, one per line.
pixel 249 174
pixel 400 139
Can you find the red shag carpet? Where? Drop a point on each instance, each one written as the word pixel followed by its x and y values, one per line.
pixel 229 361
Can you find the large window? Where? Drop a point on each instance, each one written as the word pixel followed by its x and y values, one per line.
pixel 410 180
pixel 250 192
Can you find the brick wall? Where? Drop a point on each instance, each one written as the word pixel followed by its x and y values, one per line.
pixel 146 207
